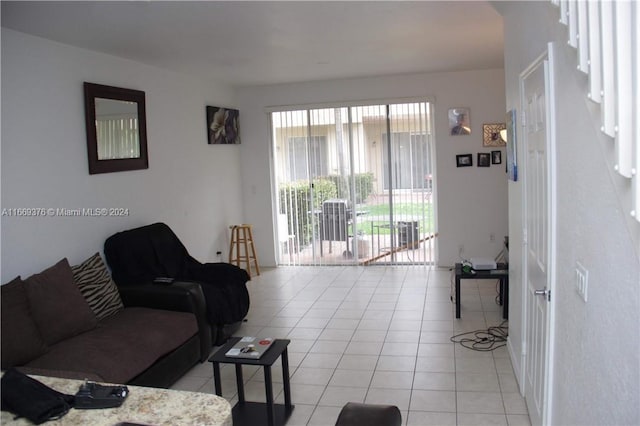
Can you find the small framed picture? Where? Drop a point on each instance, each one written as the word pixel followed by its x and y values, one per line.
pixel 459 122
pixel 492 135
pixel 496 157
pixel 484 159
pixel 222 126
pixel 464 160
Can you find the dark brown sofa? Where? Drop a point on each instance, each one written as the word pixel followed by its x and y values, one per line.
pixel 73 323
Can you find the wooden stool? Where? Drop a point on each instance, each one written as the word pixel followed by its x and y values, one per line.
pixel 245 252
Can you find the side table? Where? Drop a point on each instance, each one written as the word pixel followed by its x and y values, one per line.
pixel 253 413
pixel 500 273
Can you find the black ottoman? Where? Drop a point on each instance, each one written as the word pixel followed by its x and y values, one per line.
pixel 357 414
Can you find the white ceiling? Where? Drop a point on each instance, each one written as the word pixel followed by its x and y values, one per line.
pixel 253 43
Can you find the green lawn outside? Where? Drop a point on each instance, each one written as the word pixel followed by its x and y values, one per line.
pixel 414 209
pixel 402 212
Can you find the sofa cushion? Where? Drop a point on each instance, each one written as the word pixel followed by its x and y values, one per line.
pixel 21 340
pixel 58 308
pixel 97 287
pixel 123 345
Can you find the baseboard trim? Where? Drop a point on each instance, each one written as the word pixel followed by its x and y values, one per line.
pixel 517 361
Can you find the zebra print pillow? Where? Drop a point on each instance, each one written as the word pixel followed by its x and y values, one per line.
pixel 97 287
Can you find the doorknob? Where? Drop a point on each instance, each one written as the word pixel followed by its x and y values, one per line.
pixel 544 292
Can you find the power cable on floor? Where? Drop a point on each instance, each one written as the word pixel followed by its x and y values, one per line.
pixel 484 340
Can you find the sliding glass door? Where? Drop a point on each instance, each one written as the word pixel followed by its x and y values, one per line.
pixel 354 184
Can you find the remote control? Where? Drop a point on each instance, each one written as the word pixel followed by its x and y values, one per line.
pixel 92 395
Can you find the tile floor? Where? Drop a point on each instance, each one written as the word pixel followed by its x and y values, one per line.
pixel 380 335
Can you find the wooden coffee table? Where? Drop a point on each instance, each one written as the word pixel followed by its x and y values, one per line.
pixel 254 413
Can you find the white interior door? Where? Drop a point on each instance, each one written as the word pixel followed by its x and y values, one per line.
pixel 537 96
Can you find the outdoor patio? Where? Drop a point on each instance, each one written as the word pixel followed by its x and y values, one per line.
pixel 412 231
pixel 372 249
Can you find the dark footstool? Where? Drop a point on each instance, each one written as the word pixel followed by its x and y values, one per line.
pixel 356 414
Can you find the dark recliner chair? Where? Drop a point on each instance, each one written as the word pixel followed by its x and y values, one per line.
pixel 137 257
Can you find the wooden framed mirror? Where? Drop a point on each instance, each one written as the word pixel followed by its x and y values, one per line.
pixel 116 129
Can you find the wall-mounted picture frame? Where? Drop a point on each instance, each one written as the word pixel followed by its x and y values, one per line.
pixel 491 135
pixel 464 160
pixel 511 136
pixel 459 121
pixel 496 157
pixel 223 127
pixel 484 159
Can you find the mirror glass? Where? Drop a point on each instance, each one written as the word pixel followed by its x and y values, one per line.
pixel 116 129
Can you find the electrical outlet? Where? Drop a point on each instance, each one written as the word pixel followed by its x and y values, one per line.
pixel 460 249
pixel 582 280
pixel 492 237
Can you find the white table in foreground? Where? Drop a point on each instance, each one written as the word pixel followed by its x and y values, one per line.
pixel 147 406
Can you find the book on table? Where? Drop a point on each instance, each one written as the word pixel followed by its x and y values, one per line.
pixel 250 347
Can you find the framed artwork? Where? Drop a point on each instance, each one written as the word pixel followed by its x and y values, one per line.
pixel 459 122
pixel 511 136
pixel 496 157
pixel 222 126
pixel 491 134
pixel 464 160
pixel 484 159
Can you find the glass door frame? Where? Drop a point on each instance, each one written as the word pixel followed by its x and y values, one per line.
pixel 426 116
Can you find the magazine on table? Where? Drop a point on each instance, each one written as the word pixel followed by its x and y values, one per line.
pixel 250 347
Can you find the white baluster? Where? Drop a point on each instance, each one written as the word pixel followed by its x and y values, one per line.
pixel 595 70
pixel 624 88
pixel 573 23
pixel 583 37
pixel 608 68
pixel 564 12
pixel 635 24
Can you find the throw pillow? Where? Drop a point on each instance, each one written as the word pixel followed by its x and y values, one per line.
pixel 58 307
pixel 97 287
pixel 21 340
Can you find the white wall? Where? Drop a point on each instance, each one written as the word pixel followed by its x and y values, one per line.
pixel 472 201
pixel 596 366
pixel 192 186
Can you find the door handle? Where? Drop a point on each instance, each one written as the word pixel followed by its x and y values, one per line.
pixel 544 292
